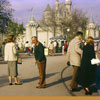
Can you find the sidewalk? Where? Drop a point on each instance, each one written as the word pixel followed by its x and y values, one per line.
pixel 67 76
pixel 1 59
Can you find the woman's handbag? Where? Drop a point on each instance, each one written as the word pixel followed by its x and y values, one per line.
pixel 19 60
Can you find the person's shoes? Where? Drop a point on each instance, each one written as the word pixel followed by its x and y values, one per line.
pixel 39 87
pixel 18 83
pixel 10 84
pixel 75 89
pixel 87 91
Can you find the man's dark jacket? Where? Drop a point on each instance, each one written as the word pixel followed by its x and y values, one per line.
pixel 39 52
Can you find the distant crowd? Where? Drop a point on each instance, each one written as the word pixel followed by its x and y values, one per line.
pixel 79 55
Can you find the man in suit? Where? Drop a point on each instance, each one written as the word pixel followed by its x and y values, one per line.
pixel 40 61
pixel 74 54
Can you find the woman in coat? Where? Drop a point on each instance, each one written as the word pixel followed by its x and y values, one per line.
pixel 87 72
pixel 11 58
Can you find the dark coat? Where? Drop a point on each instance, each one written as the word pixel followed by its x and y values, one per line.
pixel 87 73
pixel 39 52
pixel 98 77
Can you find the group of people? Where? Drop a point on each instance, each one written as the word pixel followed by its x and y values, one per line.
pixel 79 57
pixel 57 47
pixel 10 55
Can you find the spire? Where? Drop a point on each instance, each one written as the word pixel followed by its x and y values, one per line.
pixel 68 4
pixel 48 8
pixel 57 5
pixel 91 20
pixel 32 15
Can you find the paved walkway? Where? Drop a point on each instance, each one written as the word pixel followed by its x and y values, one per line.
pixel 67 76
pixel 58 79
pixel 28 74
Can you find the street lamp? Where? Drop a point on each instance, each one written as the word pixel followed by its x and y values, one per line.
pixel 68 30
pixel 36 26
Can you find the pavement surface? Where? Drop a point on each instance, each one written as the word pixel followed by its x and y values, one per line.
pixel 67 80
pixel 58 78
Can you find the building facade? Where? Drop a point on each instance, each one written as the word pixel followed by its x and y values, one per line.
pixel 62 10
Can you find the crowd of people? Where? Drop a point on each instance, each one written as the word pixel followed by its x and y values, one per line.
pixel 79 56
pixel 57 47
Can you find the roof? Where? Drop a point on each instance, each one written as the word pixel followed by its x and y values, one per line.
pixel 57 38
pixel 91 20
pixel 48 8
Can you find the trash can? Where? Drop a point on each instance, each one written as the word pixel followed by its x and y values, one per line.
pixel 46 51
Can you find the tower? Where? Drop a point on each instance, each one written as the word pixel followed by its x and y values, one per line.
pixel 91 27
pixel 57 5
pixel 47 12
pixel 30 29
pixel 68 4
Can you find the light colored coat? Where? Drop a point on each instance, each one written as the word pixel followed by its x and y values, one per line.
pixel 10 52
pixel 74 52
pixel 51 46
pixel 98 51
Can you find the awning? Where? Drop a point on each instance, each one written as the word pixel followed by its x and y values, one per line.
pixel 96 39
pixel 58 38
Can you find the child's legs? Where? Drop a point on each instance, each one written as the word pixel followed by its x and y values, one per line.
pixel 98 92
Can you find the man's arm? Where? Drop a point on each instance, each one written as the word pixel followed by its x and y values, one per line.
pixel 68 56
pixel 41 52
pixel 77 48
pixel 14 49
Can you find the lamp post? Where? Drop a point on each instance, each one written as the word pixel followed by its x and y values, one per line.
pixel 36 26
pixel 68 30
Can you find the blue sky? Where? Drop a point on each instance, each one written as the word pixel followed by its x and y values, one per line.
pixel 22 7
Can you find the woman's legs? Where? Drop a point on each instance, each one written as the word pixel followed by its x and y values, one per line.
pixel 10 79
pixel 16 79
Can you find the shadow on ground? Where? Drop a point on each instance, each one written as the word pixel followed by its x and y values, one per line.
pixel 3 62
pixel 59 81
pixel 92 88
pixel 3 81
pixel 37 78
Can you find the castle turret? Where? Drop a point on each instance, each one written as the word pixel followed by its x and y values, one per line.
pixel 91 27
pixel 57 5
pixel 68 4
pixel 47 12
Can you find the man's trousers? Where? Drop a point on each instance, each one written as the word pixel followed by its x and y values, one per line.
pixel 42 72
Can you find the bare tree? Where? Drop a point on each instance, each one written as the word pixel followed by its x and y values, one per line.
pixel 49 24
pixel 74 20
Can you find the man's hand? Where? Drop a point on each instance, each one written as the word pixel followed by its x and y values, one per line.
pixel 35 62
pixel 68 63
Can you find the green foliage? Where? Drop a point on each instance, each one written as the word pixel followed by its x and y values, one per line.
pixel 15 28
pixel 5 14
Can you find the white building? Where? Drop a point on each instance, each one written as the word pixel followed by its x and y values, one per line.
pixel 32 28
pixel 62 10
pixel 92 29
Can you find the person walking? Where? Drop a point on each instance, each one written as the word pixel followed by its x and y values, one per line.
pixel 40 61
pixel 74 54
pixel 65 46
pixel 87 72
pixel 51 48
pixel 98 80
pixel 27 47
pixel 98 70
pixel 98 50
pixel 10 55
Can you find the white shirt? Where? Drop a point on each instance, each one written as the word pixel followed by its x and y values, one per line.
pixel 10 53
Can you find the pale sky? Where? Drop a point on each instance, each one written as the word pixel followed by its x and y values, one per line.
pixel 22 7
